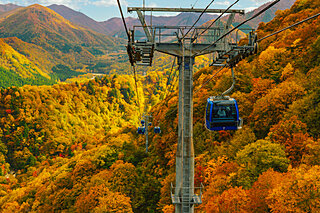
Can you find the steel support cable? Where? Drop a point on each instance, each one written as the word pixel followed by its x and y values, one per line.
pixel 197 19
pixel 195 3
pixel 168 82
pixel 136 85
pixel 296 24
pixel 210 79
pixel 174 61
pixel 253 17
pixel 133 67
pixel 217 18
pixel 123 20
pixel 173 83
pixel 233 84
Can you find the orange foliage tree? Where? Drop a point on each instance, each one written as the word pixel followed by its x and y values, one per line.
pixel 232 200
pixel 298 192
pixel 268 110
pixel 261 189
pixel 291 133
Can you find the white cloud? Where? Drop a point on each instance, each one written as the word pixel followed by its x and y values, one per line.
pixel 259 2
pixel 166 14
pixel 108 3
pixel 224 3
pixel 152 4
pixel 248 9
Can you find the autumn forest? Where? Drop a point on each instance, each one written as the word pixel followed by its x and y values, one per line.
pixel 69 142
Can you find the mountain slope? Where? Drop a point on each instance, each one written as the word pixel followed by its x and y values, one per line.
pixel 115 26
pixel 265 17
pixel 74 147
pixel 40 25
pixel 79 18
pixel 55 45
pixel 16 69
pixel 7 7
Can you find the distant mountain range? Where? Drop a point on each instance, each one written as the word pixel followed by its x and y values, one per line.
pixel 7 7
pixel 41 46
pixel 265 17
pixel 114 26
pixel 37 42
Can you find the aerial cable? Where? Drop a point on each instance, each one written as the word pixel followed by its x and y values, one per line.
pixel 233 83
pixel 195 3
pixel 197 19
pixel 217 18
pixel 209 79
pixel 133 67
pixel 173 83
pixel 256 15
pixel 123 20
pixel 169 79
pixel 300 22
pixel 136 85
pixel 296 24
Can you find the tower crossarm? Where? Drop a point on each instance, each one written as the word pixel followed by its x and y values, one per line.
pixel 175 49
pixel 194 10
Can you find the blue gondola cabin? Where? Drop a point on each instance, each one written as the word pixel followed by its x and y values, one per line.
pixel 141 130
pixel 222 113
pixel 157 130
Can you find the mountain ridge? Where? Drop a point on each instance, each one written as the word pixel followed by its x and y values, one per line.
pixel 265 17
pixel 113 26
pixel 8 7
pixel 38 30
pixel 75 147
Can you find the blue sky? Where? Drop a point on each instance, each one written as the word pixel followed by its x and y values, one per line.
pixel 101 10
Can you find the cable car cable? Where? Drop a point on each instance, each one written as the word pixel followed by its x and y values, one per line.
pixel 239 25
pixel 170 90
pixel 195 3
pixel 168 82
pixel 174 61
pixel 123 20
pixel 217 18
pixel 173 83
pixel 233 83
pixel 209 80
pixel 132 66
pixel 197 19
pixel 136 85
pixel 296 24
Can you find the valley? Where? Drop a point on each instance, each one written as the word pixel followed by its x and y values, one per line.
pixel 70 107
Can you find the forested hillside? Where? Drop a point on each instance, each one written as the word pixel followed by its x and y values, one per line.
pixel 41 47
pixel 74 147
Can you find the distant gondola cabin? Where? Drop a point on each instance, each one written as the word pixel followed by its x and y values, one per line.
pixel 157 130
pixel 141 130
